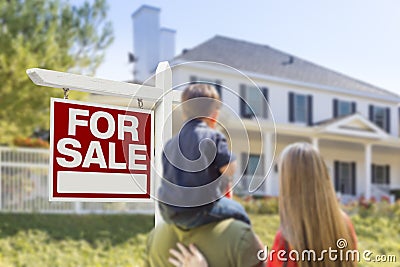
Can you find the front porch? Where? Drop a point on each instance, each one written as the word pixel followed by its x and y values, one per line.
pixel 363 160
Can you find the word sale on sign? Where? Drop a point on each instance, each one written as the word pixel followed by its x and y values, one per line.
pixel 99 152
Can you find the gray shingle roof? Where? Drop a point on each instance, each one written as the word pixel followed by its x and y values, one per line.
pixel 262 59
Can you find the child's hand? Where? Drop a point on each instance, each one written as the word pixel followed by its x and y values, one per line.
pixel 186 258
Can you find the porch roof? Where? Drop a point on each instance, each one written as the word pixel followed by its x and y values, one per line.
pixel 354 125
pixel 350 128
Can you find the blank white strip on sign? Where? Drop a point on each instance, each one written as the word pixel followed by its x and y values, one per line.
pixel 107 183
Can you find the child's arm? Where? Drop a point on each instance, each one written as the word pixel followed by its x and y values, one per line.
pixel 225 161
pixel 227 172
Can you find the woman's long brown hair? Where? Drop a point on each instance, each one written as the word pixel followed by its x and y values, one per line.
pixel 311 218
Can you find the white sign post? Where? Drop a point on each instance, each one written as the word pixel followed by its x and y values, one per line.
pixel 160 97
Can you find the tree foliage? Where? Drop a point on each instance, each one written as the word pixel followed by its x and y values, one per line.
pixel 49 34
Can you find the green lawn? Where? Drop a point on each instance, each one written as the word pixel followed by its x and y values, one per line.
pixel 119 240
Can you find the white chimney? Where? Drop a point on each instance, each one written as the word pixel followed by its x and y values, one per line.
pixel 167 44
pixel 146 41
pixel 151 44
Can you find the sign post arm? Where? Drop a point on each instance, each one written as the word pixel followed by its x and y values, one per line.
pixel 162 124
pixel 56 79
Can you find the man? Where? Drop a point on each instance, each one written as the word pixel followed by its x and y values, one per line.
pixel 228 243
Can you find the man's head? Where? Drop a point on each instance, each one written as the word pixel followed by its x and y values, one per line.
pixel 201 101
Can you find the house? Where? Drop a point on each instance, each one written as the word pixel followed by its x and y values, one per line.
pixel 272 98
pixel 355 125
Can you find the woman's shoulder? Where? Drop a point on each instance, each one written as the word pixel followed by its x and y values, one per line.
pixel 350 226
pixel 348 221
pixel 279 241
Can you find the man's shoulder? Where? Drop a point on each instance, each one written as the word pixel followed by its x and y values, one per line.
pixel 228 231
pixel 225 243
pixel 230 225
pixel 227 226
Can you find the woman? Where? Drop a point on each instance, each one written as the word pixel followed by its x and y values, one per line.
pixel 310 215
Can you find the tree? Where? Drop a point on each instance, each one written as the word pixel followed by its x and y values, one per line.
pixel 50 34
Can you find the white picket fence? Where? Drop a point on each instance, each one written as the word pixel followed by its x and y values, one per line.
pixel 24 187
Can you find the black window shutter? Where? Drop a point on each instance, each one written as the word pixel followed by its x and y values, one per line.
pixel 336 174
pixel 387 167
pixel 310 110
pixel 353 107
pixel 353 178
pixel 242 101
pixel 373 178
pixel 291 107
pixel 219 88
pixel 266 100
pixel 335 108
pixel 371 113
pixel 388 120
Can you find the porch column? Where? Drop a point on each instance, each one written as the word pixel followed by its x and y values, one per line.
pixel 367 166
pixel 268 148
pixel 315 142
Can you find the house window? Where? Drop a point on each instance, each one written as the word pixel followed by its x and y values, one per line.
pixel 252 167
pixel 345 177
pixel 380 174
pixel 300 108
pixel 252 164
pixel 253 102
pixel 380 116
pixel 216 83
pixel 342 108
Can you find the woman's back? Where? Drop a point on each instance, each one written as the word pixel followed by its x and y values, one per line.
pixel 311 218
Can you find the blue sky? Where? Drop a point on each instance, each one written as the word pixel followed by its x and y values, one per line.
pixel 360 38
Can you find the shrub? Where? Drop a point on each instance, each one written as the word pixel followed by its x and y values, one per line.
pixel 268 206
pixel 30 142
pixel 350 208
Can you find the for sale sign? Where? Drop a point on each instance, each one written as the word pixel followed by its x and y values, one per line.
pixel 99 152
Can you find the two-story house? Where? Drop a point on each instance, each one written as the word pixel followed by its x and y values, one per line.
pixel 355 125
pixel 272 99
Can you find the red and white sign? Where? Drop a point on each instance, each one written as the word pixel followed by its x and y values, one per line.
pixel 99 152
